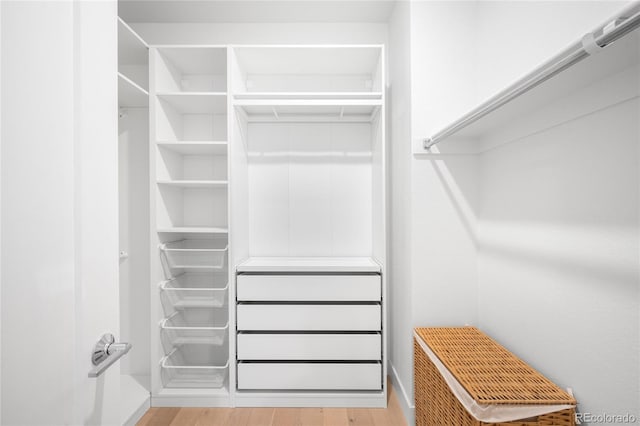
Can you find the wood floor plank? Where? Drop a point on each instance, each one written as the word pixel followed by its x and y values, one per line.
pixel 335 417
pixel 144 420
pixel 261 416
pixel 239 417
pixel 214 417
pixel 187 416
pixel 360 417
pixel 163 416
pixel 312 416
pixel 286 417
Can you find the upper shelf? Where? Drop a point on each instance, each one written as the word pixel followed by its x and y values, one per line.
pixel 131 94
pixel 191 69
pixel 196 102
pixel 514 102
pixel 311 96
pixel 195 147
pixel 337 69
pixel 133 66
pixel 309 109
pixel 309 264
pixel 132 50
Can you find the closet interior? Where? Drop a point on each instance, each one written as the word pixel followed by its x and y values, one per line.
pixel 253 223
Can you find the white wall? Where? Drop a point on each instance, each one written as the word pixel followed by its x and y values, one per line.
pixel 59 210
pixel 133 192
pixel 38 303
pixel 558 229
pixel 559 255
pixel 444 188
pixel 462 52
pixel 399 270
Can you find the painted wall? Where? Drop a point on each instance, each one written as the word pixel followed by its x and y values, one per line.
pixel 399 291
pixel 133 190
pixel 457 199
pixel 38 303
pixel 59 210
pixel 558 220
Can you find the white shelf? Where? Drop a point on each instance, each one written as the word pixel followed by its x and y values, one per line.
pixel 196 102
pixel 197 60
pixel 193 230
pixel 309 264
pixel 132 50
pixel 619 56
pixel 348 110
pixel 195 183
pixel 196 147
pixel 130 94
pixel 307 95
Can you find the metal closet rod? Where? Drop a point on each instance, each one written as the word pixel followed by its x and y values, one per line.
pixel 590 44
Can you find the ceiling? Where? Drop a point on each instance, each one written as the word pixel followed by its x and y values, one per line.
pixel 203 11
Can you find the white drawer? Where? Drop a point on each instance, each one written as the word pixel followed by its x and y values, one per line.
pixel 303 376
pixel 308 288
pixel 339 347
pixel 309 317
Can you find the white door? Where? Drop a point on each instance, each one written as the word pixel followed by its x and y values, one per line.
pixel 59 210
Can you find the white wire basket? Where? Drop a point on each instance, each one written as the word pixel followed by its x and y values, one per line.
pixel 195 366
pixel 196 289
pixel 195 326
pixel 195 254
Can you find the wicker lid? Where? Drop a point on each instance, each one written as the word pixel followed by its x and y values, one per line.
pixel 488 372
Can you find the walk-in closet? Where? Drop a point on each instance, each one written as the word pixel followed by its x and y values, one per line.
pixel 302 212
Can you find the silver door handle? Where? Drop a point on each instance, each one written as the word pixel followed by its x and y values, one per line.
pixel 105 353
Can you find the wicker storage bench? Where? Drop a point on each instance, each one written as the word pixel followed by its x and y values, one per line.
pixel 462 362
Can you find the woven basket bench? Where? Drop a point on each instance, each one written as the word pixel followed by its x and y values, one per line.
pixel 488 373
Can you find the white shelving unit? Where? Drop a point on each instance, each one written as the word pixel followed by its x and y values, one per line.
pixel 308 248
pixel 267 163
pixel 190 190
pixel 133 125
pixel 195 147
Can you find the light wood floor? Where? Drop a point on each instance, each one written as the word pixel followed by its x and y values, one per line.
pixel 390 416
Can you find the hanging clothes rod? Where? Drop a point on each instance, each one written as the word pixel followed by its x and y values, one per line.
pixel 627 21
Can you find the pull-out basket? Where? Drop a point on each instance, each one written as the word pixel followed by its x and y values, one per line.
pixel 196 289
pixel 195 325
pixel 195 254
pixel 195 366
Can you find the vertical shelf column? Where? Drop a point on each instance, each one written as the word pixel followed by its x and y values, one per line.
pixel 189 220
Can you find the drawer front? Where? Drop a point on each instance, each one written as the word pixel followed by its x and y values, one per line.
pixel 309 288
pixel 303 376
pixel 322 347
pixel 309 317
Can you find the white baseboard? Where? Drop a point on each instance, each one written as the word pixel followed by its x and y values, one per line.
pixel 408 408
pixel 137 415
pixel 310 399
